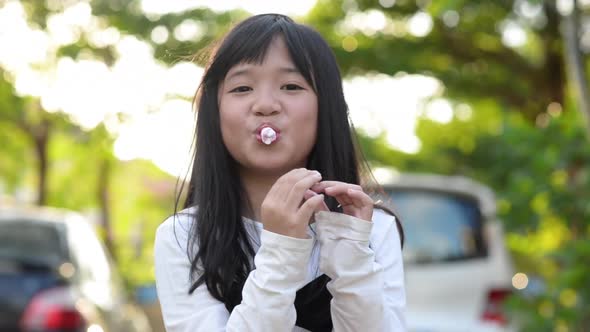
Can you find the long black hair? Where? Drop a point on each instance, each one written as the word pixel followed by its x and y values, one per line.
pixel 219 249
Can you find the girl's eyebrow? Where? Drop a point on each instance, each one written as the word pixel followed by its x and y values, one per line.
pixel 247 71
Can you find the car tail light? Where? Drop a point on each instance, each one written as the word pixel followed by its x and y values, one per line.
pixel 493 311
pixel 52 309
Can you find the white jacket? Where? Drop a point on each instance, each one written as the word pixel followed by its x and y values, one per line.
pixel 367 281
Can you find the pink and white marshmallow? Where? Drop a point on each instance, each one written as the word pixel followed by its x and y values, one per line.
pixel 268 135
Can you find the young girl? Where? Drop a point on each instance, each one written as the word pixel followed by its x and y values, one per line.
pixel 277 234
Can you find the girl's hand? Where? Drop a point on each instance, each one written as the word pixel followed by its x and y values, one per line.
pixel 288 207
pixel 354 201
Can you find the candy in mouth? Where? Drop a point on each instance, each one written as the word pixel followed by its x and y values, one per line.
pixel 268 135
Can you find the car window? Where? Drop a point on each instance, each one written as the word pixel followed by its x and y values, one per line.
pixel 31 241
pixel 439 226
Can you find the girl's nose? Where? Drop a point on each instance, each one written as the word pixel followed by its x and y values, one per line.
pixel 266 105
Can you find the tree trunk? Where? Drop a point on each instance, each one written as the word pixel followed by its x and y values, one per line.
pixel 555 71
pixel 40 135
pixel 571 32
pixel 105 207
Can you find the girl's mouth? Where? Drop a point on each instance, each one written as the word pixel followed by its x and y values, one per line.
pixel 267 134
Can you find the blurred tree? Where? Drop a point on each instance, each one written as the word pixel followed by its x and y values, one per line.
pixel 165 32
pixel 14 154
pixel 23 117
pixel 29 129
pixel 505 50
pixel 76 168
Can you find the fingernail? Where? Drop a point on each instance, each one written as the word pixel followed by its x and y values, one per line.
pixel 318 174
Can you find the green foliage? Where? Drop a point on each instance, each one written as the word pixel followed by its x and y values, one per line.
pixel 468 55
pixel 133 22
pixel 564 304
pixel 14 143
pixel 73 173
pixel 546 205
pixel 14 154
pixel 142 197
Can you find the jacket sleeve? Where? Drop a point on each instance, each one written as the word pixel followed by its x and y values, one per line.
pixel 267 297
pixel 367 272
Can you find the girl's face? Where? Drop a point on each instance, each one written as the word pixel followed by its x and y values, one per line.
pixel 272 94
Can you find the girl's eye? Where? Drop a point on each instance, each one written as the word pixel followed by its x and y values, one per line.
pixel 241 89
pixel 292 87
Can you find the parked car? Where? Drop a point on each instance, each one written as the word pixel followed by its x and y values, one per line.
pixel 458 270
pixel 55 275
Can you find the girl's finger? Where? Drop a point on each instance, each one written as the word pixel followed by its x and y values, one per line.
pixel 281 188
pixel 359 198
pixel 340 189
pixel 299 189
pixel 320 187
pixel 310 206
pixel 309 194
pixel 361 205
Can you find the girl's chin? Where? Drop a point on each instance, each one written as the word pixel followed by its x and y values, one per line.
pixel 273 167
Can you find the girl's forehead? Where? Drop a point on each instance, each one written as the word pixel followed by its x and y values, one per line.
pixel 276 54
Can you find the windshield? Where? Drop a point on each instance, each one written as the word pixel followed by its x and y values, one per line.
pixel 439 226
pixel 29 242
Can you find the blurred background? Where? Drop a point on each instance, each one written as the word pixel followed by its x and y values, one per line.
pixel 95 117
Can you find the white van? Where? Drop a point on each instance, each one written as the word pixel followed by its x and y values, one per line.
pixel 458 270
